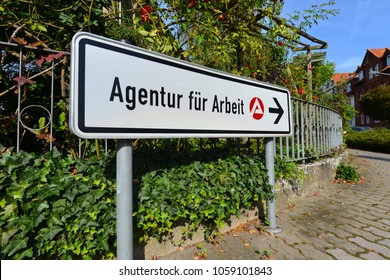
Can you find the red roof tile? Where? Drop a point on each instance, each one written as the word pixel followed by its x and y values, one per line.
pixel 378 52
pixel 341 77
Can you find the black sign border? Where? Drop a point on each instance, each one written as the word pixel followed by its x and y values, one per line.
pixel 83 42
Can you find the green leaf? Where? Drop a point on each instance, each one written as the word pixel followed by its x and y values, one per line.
pixel 153 33
pixel 9 210
pixel 50 233
pixel 41 28
pixel 15 245
pixel 6 235
pixel 143 32
pixel 44 205
pixel 62 118
pixel 104 244
pixel 3 203
pixel 55 220
pixel 42 122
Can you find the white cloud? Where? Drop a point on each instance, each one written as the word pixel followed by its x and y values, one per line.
pixel 348 64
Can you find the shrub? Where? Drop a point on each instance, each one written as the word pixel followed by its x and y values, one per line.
pixel 199 194
pixel 376 140
pixel 54 207
pixel 347 172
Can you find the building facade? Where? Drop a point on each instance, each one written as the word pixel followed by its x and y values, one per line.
pixel 373 72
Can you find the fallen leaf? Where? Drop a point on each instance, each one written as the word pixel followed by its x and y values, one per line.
pixel 291 206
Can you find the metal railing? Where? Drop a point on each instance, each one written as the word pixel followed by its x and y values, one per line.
pixel 317 130
pixel 23 76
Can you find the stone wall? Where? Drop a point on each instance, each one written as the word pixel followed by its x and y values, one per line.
pixel 317 175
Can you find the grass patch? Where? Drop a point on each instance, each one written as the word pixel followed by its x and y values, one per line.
pixel 346 172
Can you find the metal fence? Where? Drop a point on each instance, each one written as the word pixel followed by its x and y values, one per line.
pixel 317 130
pixel 20 67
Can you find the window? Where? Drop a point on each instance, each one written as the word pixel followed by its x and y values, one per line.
pixel 370 75
pixel 362 119
pixel 361 75
pixel 348 87
pixel 376 69
pixel 388 60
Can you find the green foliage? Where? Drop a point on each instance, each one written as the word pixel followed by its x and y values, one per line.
pixel 54 207
pixel 248 38
pixel 376 103
pixel 199 194
pixel 51 23
pixel 376 140
pixel 288 170
pixel 340 103
pixel 347 172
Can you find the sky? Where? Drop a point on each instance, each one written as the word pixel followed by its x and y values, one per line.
pixel 359 25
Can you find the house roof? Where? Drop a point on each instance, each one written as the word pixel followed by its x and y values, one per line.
pixel 342 78
pixel 378 52
pixel 339 78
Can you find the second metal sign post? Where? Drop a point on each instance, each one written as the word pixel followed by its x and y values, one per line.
pixel 123 92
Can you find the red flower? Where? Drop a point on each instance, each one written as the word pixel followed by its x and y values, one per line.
pixel 300 91
pixel 145 13
pixel 192 3
pixel 280 43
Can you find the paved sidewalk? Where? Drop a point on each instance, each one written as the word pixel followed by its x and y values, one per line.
pixel 342 221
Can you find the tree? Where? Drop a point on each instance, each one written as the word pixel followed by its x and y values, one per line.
pixel 376 103
pixel 248 38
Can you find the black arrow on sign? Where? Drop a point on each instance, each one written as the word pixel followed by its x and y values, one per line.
pixel 278 111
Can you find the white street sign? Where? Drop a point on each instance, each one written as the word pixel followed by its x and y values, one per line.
pixel 120 91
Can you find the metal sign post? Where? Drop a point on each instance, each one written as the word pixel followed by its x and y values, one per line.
pixel 119 91
pixel 270 165
pixel 124 199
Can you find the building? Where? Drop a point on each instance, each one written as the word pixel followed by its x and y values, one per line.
pixel 373 72
pixel 337 83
